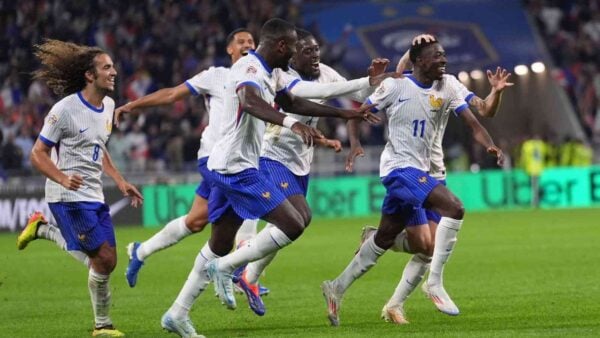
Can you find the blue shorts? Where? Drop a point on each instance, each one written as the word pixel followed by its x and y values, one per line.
pixel 249 193
pixel 288 182
pixel 203 189
pixel 84 225
pixel 406 191
pixel 422 215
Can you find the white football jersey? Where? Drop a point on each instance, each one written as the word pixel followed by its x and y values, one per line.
pixel 211 84
pixel 414 114
pixel 438 169
pixel 241 134
pixel 283 145
pixel 79 132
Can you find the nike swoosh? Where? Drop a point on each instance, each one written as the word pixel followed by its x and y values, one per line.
pixel 402 100
pixel 83 130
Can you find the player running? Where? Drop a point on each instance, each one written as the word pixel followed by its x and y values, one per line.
pixel 416 107
pixel 70 152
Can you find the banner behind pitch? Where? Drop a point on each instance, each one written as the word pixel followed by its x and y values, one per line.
pixel 361 196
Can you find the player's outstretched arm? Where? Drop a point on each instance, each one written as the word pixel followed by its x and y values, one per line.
pixel 158 98
pixel 40 159
pixel 252 103
pixel 334 144
pixel 300 106
pixel 126 188
pixel 481 135
pixel 488 107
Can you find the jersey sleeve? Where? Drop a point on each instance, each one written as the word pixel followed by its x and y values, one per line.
pixel 459 96
pixel 247 75
pixel 461 90
pixel 383 95
pixel 53 128
pixel 201 82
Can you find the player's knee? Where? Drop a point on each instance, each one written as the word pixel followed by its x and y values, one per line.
pixel 307 216
pixel 457 210
pixel 195 224
pixel 295 227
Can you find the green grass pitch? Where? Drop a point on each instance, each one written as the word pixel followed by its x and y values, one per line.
pixel 526 273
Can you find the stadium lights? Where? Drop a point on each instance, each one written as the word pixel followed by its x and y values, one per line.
pixel 477 74
pixel 521 70
pixel 463 76
pixel 538 67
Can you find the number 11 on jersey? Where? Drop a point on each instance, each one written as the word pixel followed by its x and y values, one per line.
pixel 416 124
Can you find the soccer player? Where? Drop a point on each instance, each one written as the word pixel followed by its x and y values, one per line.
pixel 416 107
pixel 70 152
pixel 285 159
pixel 239 191
pixel 417 238
pixel 210 84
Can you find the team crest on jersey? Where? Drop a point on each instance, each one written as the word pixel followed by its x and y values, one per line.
pixel 52 119
pixel 266 194
pixel 435 102
pixel 380 90
pixel 284 185
pixel 108 126
pixel 251 70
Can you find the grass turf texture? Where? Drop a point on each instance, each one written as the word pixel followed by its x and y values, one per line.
pixel 527 273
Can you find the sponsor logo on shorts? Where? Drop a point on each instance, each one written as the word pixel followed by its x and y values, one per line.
pixel 266 194
pixel 423 179
pixel 81 237
pixel 284 185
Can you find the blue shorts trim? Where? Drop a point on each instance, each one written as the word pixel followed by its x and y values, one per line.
pixel 203 189
pixel 289 183
pixel 249 193
pixel 84 225
pixel 406 187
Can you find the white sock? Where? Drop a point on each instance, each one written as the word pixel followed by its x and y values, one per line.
pixel 246 231
pixel 51 233
pixel 401 243
pixel 171 234
pixel 255 269
pixel 445 238
pixel 100 295
pixel 194 285
pixel 265 242
pixel 364 259
pixel 80 256
pixel 413 274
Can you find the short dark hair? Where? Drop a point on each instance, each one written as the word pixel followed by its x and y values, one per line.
pixel 275 29
pixel 231 35
pixel 415 50
pixel 303 34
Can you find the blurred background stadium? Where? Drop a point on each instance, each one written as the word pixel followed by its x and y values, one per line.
pixel 550 46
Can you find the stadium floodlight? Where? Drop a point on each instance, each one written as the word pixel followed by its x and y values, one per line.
pixel 463 76
pixel 477 74
pixel 538 67
pixel 521 70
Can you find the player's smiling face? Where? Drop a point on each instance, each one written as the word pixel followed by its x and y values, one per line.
pixel 105 73
pixel 240 45
pixel 434 61
pixel 306 61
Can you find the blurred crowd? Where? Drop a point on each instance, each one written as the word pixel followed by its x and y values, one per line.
pixel 571 29
pixel 157 44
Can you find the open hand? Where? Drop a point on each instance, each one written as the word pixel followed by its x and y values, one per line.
pixel 130 190
pixel 308 134
pixel 72 182
pixel 499 79
pixel 352 155
pixel 124 109
pixel 493 150
pixel 377 66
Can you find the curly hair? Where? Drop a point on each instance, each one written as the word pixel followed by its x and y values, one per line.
pixel 63 65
